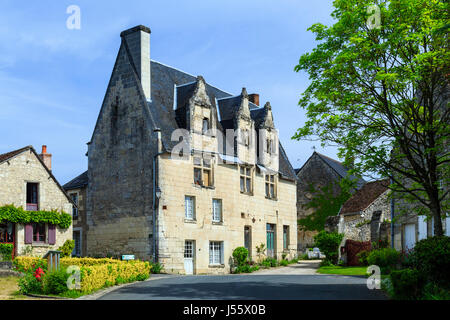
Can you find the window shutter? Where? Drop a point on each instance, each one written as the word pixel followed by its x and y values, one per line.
pixel 51 234
pixel 221 253
pixel 28 234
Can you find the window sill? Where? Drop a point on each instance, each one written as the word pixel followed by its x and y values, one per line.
pixel 190 221
pixel 217 223
pixel 270 198
pixel 247 193
pixel 202 186
pixel 40 244
pixel 216 266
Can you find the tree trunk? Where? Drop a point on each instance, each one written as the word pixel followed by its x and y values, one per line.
pixel 436 213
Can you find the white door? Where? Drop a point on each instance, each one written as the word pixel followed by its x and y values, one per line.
pixel 410 236
pixel 422 228
pixel 189 248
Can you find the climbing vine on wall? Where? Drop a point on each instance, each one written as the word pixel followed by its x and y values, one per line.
pixel 10 213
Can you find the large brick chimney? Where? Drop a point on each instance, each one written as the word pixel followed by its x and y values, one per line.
pixel 46 157
pixel 137 41
pixel 254 98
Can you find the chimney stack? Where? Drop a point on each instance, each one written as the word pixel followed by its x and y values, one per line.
pixel 254 98
pixel 46 157
pixel 137 40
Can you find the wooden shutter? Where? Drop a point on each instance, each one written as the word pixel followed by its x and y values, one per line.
pixel 28 233
pixel 51 234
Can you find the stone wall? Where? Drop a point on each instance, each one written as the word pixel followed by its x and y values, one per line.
pixel 318 173
pixel 80 223
pixel 238 210
pixel 120 192
pixel 14 175
pixel 358 226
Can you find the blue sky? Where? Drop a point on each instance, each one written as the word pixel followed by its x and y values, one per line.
pixel 53 80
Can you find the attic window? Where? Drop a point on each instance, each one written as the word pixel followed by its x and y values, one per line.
pixel 269 146
pixel 205 125
pixel 245 137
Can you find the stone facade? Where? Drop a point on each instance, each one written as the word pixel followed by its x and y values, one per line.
pixel 130 158
pixel 79 219
pixel 360 226
pixel 15 172
pixel 238 211
pixel 318 171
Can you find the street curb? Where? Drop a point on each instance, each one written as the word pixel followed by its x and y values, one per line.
pixel 46 297
pixel 98 294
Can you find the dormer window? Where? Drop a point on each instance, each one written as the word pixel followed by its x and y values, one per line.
pixel 269 146
pixel 205 125
pixel 245 137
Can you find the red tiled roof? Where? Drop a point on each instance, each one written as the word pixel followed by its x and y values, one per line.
pixel 8 155
pixel 365 196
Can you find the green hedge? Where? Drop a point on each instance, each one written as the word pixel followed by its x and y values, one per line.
pixel 431 257
pixel 10 213
pixel 408 284
pixel 6 250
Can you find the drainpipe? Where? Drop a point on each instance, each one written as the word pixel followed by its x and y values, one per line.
pixel 155 199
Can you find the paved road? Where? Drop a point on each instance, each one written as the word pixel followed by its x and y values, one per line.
pixel 292 283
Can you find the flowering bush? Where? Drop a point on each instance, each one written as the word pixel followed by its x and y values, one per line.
pixel 94 274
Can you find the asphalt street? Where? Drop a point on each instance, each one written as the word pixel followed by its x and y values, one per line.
pixel 290 283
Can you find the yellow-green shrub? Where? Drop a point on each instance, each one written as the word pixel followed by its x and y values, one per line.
pixel 26 263
pixel 99 276
pixel 95 273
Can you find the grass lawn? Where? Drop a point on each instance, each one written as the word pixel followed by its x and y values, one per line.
pixel 346 271
pixel 9 289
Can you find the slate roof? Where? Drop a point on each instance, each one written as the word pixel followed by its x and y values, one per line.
pixel 363 197
pixel 9 155
pixel 165 80
pixel 337 166
pixel 78 182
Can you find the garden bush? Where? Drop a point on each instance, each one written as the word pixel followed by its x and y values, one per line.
pixel 387 259
pixel 156 267
pixel 362 257
pixel 284 263
pixel 240 255
pixel 55 282
pixel 95 274
pixel 328 243
pixel 407 284
pixel 29 284
pixel 67 248
pixel 6 250
pixel 431 256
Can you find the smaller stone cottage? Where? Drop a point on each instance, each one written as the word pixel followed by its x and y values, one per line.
pixel 28 185
pixel 365 216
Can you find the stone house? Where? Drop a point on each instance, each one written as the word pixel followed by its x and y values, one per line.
pixel 318 171
pixel 77 191
pixel 26 181
pixel 366 215
pixel 163 182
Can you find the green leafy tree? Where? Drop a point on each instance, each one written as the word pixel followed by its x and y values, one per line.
pixel 379 81
pixel 328 243
pixel 326 201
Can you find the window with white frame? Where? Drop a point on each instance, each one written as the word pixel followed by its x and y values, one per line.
pixel 215 252
pixel 202 171
pixel 74 197
pixel 246 179
pixel 217 210
pixel 271 191
pixel 189 205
